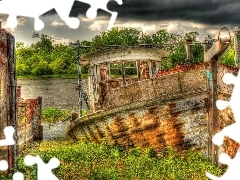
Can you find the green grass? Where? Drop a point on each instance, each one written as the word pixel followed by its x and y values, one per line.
pixel 53 115
pixel 63 76
pixel 80 160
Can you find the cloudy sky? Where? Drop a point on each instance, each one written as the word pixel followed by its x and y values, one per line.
pixel 204 16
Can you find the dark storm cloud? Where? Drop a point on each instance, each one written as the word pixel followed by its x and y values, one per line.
pixel 78 8
pixel 202 11
pixel 213 12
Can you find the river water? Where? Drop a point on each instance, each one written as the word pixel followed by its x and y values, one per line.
pixel 58 93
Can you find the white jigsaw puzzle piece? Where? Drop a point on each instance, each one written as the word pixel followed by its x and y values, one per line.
pixel 232 172
pixel 100 4
pixel 8 131
pixel 232 131
pixel 18 176
pixel 3 165
pixel 35 8
pixel 44 170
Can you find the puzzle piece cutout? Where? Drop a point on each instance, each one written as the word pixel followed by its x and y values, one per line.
pixel 232 172
pixel 3 165
pixel 8 132
pixel 44 170
pixel 35 8
pixel 232 131
pixel 18 176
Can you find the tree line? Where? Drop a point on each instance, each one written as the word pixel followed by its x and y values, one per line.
pixel 45 58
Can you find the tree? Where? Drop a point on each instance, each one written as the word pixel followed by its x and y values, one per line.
pixel 228 58
pixel 43 47
pixel 61 59
pixel 115 36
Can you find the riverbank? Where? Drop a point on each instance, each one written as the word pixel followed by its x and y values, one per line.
pixel 50 76
pixel 55 92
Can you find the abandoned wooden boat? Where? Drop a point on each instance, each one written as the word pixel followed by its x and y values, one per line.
pixel 150 107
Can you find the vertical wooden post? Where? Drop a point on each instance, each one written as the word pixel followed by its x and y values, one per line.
pixel 150 72
pixel 123 73
pixel 189 49
pixel 90 87
pixel 158 66
pixel 236 32
pixel 214 110
pixel 137 68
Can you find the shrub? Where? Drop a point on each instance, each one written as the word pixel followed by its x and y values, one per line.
pixel 53 114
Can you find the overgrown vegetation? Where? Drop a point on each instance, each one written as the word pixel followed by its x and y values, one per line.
pixel 44 58
pixel 53 115
pixel 94 161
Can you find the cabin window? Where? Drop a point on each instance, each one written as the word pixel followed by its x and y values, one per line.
pixel 116 70
pixel 130 70
pixel 154 69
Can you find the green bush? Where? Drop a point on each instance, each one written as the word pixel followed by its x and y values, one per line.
pixel 53 114
pixel 41 68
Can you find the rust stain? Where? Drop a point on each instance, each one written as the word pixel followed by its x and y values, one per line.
pixel 174 137
pixel 92 135
pixel 148 130
pixel 120 132
pixel 134 120
pixel 100 134
pixel 230 147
